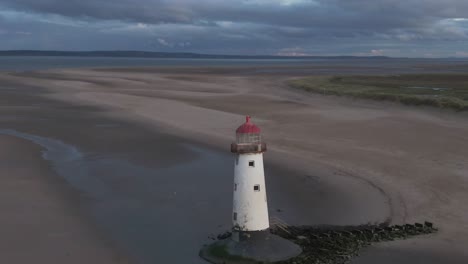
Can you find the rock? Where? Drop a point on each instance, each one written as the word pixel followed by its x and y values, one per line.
pixel 224 235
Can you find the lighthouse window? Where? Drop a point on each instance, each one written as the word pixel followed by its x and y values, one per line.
pixel 234 216
pixel 235 187
pixel 257 187
pixel 251 163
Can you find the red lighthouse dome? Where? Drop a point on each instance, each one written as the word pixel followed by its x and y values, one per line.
pixel 248 127
pixel 248 139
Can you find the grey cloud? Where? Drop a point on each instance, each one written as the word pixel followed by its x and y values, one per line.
pixel 267 26
pixel 144 11
pixel 326 13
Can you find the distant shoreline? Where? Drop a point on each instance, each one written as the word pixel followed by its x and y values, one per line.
pixel 151 54
pixel 19 61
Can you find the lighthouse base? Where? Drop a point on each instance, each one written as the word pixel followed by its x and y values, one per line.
pixel 250 247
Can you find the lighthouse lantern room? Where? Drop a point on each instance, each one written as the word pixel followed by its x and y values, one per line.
pixel 250 206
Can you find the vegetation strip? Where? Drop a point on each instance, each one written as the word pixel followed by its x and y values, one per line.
pixel 439 90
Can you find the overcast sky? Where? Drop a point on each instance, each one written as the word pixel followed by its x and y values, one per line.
pixel 412 28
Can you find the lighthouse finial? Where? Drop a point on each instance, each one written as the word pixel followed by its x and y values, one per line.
pixel 247 119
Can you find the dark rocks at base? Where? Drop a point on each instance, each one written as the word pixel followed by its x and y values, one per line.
pixel 330 244
pixel 338 244
pixel 224 235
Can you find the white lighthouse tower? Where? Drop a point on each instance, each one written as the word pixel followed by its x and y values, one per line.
pixel 250 206
pixel 251 238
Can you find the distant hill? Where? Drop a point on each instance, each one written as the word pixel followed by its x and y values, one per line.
pixel 150 54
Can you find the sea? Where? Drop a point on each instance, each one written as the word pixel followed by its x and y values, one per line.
pixel 31 63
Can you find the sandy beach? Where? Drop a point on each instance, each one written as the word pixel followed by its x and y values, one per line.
pixel 331 160
pixel 41 221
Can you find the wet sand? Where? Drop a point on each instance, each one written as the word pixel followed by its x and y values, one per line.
pixel 331 160
pixel 40 218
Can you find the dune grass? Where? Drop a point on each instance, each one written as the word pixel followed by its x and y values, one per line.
pixel 439 90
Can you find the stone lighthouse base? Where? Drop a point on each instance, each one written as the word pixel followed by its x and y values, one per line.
pixel 250 247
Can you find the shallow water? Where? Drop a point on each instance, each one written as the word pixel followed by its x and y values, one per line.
pixel 156 214
pixel 29 63
pixel 26 63
pixel 428 88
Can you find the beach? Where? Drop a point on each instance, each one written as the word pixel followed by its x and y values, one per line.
pixel 152 173
pixel 41 221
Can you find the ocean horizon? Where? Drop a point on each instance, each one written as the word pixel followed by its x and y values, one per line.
pixel 31 63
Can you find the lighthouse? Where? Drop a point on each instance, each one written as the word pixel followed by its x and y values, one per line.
pixel 250 205
pixel 251 240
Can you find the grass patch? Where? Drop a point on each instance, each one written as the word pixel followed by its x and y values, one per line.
pixel 438 90
pixel 220 251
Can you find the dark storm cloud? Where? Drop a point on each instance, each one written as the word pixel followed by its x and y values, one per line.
pixel 143 11
pixel 312 13
pixel 329 13
pixel 254 26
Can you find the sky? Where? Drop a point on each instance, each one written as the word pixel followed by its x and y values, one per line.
pixel 397 28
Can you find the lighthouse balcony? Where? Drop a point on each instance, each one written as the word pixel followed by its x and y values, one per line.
pixel 242 148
